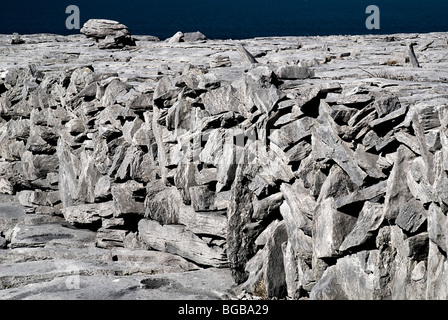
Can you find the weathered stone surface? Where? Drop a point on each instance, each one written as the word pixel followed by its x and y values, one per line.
pixel 369 220
pixel 292 133
pixel 298 209
pixel 275 281
pixel 194 36
pixel 330 228
pixel 328 144
pixel 436 274
pixel 361 195
pixel 411 216
pixel 176 239
pixel 164 206
pixel 397 191
pixel 101 28
pixel 88 215
pixel 386 105
pixel 128 198
pixel 437 226
pixel 294 72
pixel 24 236
pixel 328 186
pixel 214 284
pixel 350 279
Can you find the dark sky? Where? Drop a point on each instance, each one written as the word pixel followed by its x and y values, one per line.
pixel 229 18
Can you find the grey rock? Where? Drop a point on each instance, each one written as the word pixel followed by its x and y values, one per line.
pixel 255 269
pixel 299 208
pixel 205 284
pixel 266 207
pixel 295 269
pixel 429 118
pixel 16 39
pixel 344 281
pixel 369 220
pixel 436 273
pixel 2 243
pixel 328 144
pixel 312 175
pixel 176 239
pixel 116 42
pixel 330 228
pixel 433 140
pixel 341 114
pixel 202 198
pixel 241 245
pixel 306 187
pixel 411 216
pixel 29 236
pixel 101 28
pixel 221 100
pixel 178 37
pixel 336 185
pixel 386 105
pixel 354 100
pixel 410 141
pixel 110 238
pixel 437 226
pixel 128 198
pixel 369 162
pixel 391 118
pixel 88 215
pixel 292 133
pixel 275 281
pixel 220 61
pixel 164 206
pixel 361 195
pixel 294 72
pixel 206 224
pixel 221 152
pixel 427 156
pixel 246 55
pixel 194 36
pixel 187 176
pixel 397 191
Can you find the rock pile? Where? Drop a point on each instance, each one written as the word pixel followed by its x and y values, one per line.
pixel 304 187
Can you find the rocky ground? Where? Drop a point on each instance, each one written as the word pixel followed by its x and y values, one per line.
pixel 293 167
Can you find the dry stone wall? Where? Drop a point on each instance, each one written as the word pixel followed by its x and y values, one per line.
pixel 306 182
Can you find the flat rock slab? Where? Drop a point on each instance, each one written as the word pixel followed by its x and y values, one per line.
pixel 11 212
pixel 43 234
pixel 205 284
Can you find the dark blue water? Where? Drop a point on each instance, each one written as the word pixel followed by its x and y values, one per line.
pixel 223 19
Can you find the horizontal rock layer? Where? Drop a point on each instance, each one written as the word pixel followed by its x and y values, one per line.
pixel 311 167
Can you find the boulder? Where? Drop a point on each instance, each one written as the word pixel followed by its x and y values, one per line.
pixel 369 221
pixel 101 28
pixel 330 229
pixel 294 72
pixel 109 34
pixel 397 191
pixel 128 198
pixel 194 36
pixel 88 215
pixel 176 239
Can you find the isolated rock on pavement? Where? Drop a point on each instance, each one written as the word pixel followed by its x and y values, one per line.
pixel 110 34
pixel 101 28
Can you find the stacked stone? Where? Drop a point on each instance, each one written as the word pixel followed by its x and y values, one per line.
pixel 304 187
